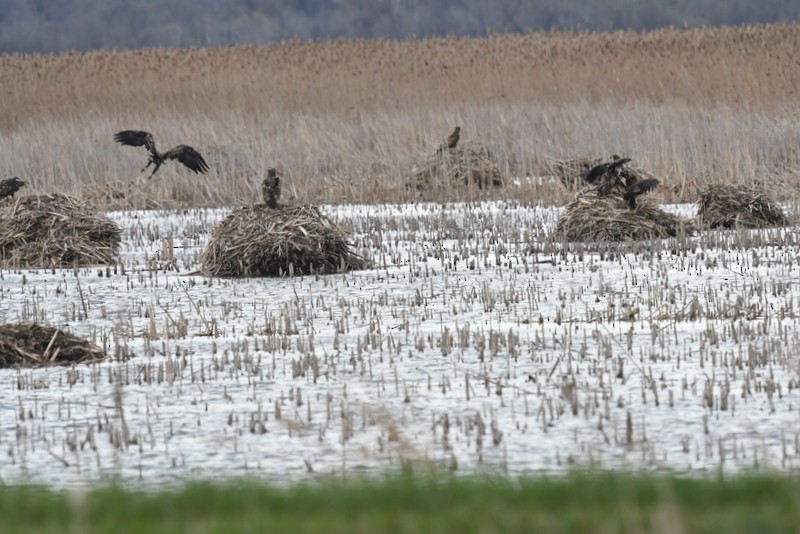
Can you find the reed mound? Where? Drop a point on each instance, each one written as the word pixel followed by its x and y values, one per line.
pixel 55 231
pixel 256 240
pixel 468 163
pixel 593 217
pixel 34 345
pixel 728 206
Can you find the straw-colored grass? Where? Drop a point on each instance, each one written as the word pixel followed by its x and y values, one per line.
pixel 256 240
pixel 55 231
pixel 346 120
pixel 606 218
pixel 35 345
pixel 466 165
pixel 727 206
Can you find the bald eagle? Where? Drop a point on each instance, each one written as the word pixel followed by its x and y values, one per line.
pixel 637 188
pixel 611 168
pixel 271 188
pixel 187 155
pixel 9 186
pixel 452 140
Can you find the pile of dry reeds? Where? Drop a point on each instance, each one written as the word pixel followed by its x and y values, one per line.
pixel 593 217
pixel 727 206
pixel 470 164
pixel 55 231
pixel 34 345
pixel 260 241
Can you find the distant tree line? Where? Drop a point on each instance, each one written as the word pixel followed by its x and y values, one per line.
pixel 54 25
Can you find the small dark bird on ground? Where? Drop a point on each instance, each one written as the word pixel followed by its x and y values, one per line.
pixel 271 188
pixel 183 153
pixel 604 169
pixel 452 140
pixel 639 187
pixel 9 186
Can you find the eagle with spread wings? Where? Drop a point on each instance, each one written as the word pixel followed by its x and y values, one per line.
pixel 187 155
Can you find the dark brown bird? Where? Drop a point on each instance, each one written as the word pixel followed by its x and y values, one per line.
pixel 9 186
pixel 452 140
pixel 612 168
pixel 637 188
pixel 271 188
pixel 187 155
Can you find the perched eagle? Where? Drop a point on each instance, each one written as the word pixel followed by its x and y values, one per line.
pixel 271 188
pixel 9 186
pixel 452 140
pixel 183 153
pixel 611 168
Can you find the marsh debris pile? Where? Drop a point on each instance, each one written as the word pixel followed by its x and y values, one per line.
pixel 55 231
pixel 593 217
pixel 34 345
pixel 728 206
pixel 256 240
pixel 469 164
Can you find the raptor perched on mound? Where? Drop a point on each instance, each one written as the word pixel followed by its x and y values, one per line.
pixel 187 155
pixel 613 177
pixel 607 175
pixel 9 186
pixel 271 188
pixel 452 140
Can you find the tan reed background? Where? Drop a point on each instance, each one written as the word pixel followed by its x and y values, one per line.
pixel 345 121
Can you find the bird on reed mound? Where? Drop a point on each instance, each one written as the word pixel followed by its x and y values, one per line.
pixel 452 140
pixel 271 188
pixel 187 155
pixel 637 188
pixel 9 186
pixel 608 171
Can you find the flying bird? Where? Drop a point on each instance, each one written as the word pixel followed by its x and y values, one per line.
pixel 637 188
pixel 187 155
pixel 597 173
pixel 271 188
pixel 452 140
pixel 9 186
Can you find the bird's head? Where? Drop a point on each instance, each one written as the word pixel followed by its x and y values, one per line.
pixel 16 181
pixel 271 172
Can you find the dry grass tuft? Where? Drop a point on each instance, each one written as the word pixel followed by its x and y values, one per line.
pixel 34 345
pixel 728 206
pixel 256 240
pixel 470 164
pixel 55 231
pixel 592 217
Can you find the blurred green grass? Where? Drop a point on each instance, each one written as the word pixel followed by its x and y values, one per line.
pixel 587 502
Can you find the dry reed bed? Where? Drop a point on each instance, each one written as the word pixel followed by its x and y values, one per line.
pixel 726 206
pixel 256 240
pixel 467 165
pixel 592 217
pixel 349 119
pixel 55 231
pixel 34 345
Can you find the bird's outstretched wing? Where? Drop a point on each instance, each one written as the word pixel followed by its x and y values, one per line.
pixel 616 164
pixel 189 157
pixel 136 138
pixel 638 188
pixel 596 173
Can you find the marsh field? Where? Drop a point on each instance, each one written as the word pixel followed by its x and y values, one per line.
pixel 477 342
